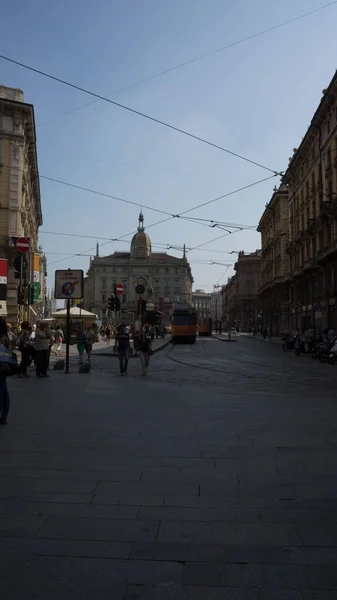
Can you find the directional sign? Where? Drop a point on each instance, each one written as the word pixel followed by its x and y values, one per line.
pixel 22 245
pixel 140 289
pixel 119 289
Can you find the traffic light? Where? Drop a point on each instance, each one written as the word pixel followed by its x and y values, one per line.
pixel 31 299
pixel 21 297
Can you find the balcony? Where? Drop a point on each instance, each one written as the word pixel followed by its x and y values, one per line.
pixel 297 271
pixel 310 265
pixel 327 251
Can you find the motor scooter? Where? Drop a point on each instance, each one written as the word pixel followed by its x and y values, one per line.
pixel 333 354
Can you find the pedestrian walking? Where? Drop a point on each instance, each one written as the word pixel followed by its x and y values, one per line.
pixel 122 345
pixel 80 341
pixel 43 340
pixel 12 338
pixel 145 352
pixel 58 341
pixel 25 346
pixel 32 335
pixel 89 337
pixel 108 335
pixel 4 394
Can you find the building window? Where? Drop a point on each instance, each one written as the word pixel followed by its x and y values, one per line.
pixel 103 298
pixel 124 282
pixel 166 283
pixel 103 282
pixel 167 270
pixel 167 299
pixel 124 298
pixel 104 269
pixel 177 283
pixel 177 270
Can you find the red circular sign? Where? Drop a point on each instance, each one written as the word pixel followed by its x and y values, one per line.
pixel 22 245
pixel 119 289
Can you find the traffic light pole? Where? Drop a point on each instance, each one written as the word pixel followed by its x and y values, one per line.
pixel 116 307
pixel 140 314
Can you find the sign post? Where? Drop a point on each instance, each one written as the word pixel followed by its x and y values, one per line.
pixel 22 245
pixel 68 286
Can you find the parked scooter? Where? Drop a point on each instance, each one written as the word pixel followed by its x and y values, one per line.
pixel 333 354
pixel 303 347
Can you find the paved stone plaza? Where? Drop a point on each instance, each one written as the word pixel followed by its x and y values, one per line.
pixel 213 478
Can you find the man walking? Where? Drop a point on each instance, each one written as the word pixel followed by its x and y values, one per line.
pixel 122 346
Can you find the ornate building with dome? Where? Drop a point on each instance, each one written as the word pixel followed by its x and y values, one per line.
pixel 168 279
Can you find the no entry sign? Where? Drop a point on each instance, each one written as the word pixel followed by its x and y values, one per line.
pixel 119 289
pixel 22 245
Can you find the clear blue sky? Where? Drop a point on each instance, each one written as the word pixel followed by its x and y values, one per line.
pixel 256 99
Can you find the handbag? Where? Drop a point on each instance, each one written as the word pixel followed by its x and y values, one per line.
pixel 8 362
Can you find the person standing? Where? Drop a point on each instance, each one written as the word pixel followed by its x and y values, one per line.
pixel 123 345
pixel 42 345
pixel 25 349
pixel 4 394
pixel 89 340
pixel 80 341
pixel 58 341
pixel 145 351
pixel 108 335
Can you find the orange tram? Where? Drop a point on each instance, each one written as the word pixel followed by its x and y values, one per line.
pixel 205 326
pixel 183 324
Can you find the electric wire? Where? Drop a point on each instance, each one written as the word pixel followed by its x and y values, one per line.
pixel 194 60
pixel 139 113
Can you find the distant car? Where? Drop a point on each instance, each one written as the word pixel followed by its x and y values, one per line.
pixel 232 331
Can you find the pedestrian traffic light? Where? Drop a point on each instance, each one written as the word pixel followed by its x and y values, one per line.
pixel 21 297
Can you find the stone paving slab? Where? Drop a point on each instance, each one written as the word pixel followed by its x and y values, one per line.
pixel 175 486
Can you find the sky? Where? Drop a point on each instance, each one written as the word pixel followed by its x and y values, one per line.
pixel 255 98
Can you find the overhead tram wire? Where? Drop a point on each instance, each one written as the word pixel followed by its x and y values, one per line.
pixel 164 221
pixel 196 59
pixel 139 113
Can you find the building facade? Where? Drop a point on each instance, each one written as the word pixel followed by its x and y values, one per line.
pixel 311 179
pixel 242 303
pixel 167 279
pixel 20 202
pixel 274 290
pixel 216 307
pixel 202 303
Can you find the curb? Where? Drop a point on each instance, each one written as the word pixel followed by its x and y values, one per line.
pixel 259 339
pixel 224 339
pixel 131 356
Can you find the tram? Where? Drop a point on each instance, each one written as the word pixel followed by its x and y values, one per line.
pixel 205 326
pixel 183 324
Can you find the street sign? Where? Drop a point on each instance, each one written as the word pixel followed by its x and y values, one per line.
pixel 22 245
pixel 139 289
pixel 141 281
pixel 119 289
pixel 69 284
pixel 3 271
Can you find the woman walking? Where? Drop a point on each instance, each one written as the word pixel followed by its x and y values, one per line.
pixel 145 351
pixel 80 341
pixel 4 395
pixel 42 341
pixel 58 341
pixel 25 348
